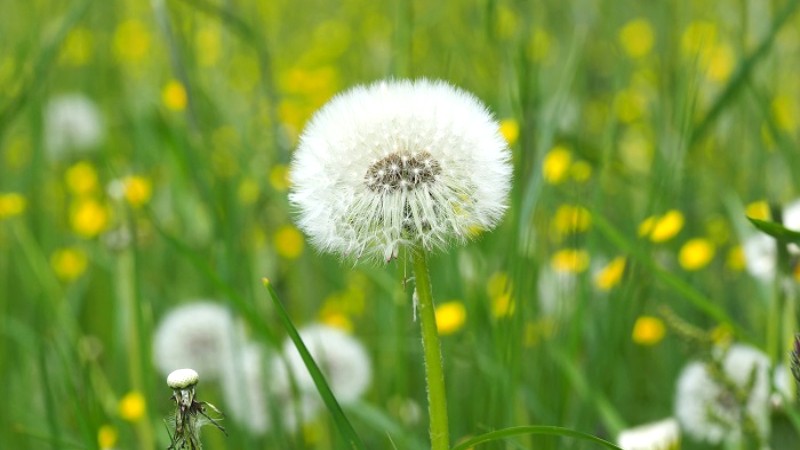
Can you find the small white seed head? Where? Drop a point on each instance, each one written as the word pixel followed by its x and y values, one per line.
pixel 182 378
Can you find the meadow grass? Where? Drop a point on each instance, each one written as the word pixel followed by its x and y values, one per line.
pixel 578 311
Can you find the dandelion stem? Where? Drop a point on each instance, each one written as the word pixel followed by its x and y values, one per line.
pixel 434 375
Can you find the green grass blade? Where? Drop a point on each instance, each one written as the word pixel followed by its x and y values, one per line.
pixel 42 66
pixel 776 230
pixel 378 420
pixel 532 429
pixel 742 74
pixel 610 417
pixel 696 298
pixel 342 424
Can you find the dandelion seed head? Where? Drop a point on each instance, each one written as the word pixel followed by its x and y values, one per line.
pixel 72 124
pixel 710 411
pixel 399 162
pixel 661 435
pixel 201 335
pixel 244 387
pixel 341 358
pixel 297 407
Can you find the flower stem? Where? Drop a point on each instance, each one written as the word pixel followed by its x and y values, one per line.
pixel 434 375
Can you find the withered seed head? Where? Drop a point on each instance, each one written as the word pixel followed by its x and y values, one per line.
pixel 398 171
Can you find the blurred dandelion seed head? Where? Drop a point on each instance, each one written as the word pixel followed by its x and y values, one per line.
pixel 297 407
pixel 662 435
pixel 244 384
pixel 712 406
pixel 72 125
pixel 341 358
pixel 398 163
pixel 201 335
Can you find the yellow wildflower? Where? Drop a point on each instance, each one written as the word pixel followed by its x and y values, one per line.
pixel 78 47
pixel 69 263
pixel 132 406
pixel 720 63
pixel 698 37
pixel 248 191
pixel 498 284
pixel 610 275
pixel 337 320
pixel 107 437
pixel 288 242
pixel 537 331
pixel 88 217
pixel 11 204
pixel 540 44
pixel 570 260
pixel 450 317
pixel 630 105
pixel 208 46
pixel 736 260
pixel 138 190
pixel 502 305
pixel 662 228
pixel 279 177
pixel 507 22
pixel 722 335
pixel 637 38
pixel 784 111
pixel 581 171
pixel 718 230
pixel 243 73
pixel 131 41
pixel 636 148
pixel 509 128
pixel 757 210
pixel 648 330
pixel 696 254
pixel 81 178
pixel 556 164
pixel 173 95
pixel 18 152
pixel 570 219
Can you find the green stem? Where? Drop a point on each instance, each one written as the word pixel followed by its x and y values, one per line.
pixel 437 399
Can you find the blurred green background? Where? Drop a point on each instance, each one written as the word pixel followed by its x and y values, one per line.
pixel 642 133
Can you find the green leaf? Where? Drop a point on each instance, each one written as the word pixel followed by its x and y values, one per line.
pixel 776 230
pixel 342 424
pixel 532 429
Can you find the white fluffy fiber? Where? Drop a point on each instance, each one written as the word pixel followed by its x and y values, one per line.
pixel 341 358
pixel 364 125
pixel 661 435
pixel 245 389
pixel 706 409
pixel 72 124
pixel 200 335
